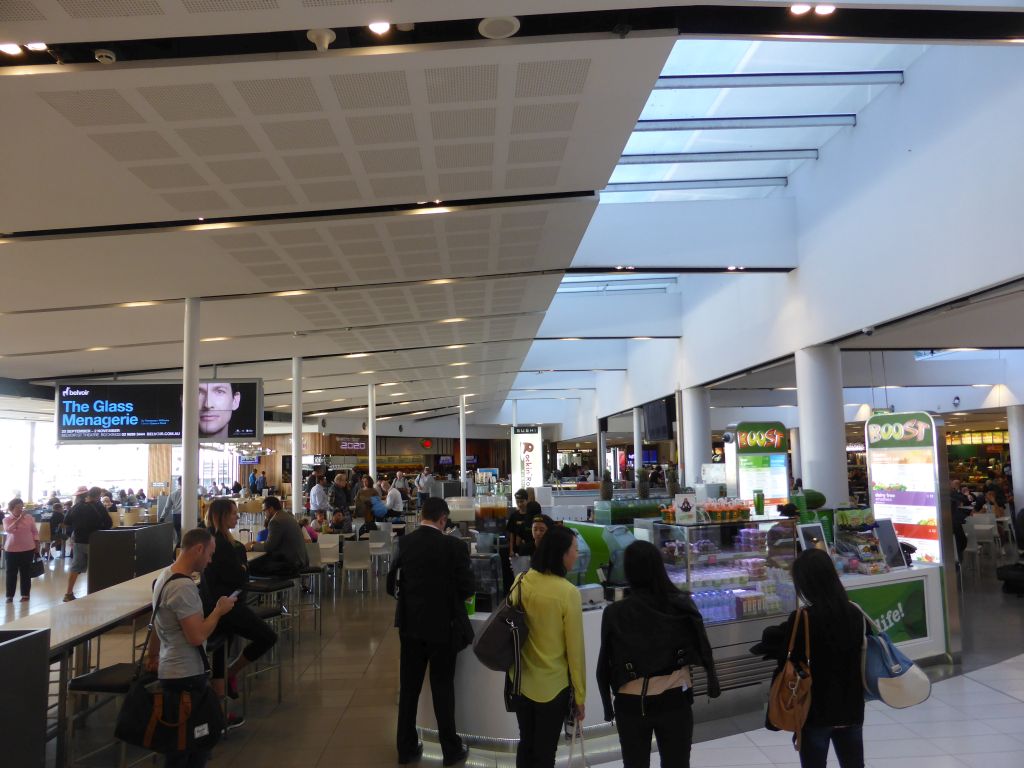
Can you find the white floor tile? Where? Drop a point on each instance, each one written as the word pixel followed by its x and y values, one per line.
pixel 973 745
pixel 782 754
pixel 1008 725
pixel 959 685
pixel 994 760
pixel 713 758
pixel 766 738
pixel 930 711
pixel 738 740
pixel 939 761
pixel 986 697
pixel 914 747
pixel 951 729
pixel 1012 687
pixel 993 711
pixel 876 717
pixel 887 732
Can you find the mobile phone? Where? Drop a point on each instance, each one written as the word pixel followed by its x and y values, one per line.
pixel 236 593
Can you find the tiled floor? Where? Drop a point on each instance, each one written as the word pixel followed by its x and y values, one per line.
pixel 340 697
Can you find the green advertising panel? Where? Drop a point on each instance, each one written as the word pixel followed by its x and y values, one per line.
pixel 762 437
pixel 900 430
pixel 899 609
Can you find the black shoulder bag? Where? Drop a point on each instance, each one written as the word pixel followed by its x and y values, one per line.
pixel 143 721
pixel 499 644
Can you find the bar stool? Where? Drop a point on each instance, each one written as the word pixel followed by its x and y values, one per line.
pixel 273 615
pixel 112 684
pixel 315 573
pixel 281 592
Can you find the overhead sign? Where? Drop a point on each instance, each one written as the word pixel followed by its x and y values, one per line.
pixel 903 480
pixel 762 461
pixel 151 412
pixel 527 457
pixel 248 459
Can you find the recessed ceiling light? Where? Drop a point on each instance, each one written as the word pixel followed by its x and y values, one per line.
pixel 339 400
pixel 891 386
pixel 383 418
pixel 799 9
pixel 456 365
pixel 36 46
pixel 281 406
pixel 417 413
pixel 460 387
pixel 981 386
pixel 357 408
pixel 454 320
pixel 358 354
pixel 468 412
pixel 641 338
pixel 216 338
pixel 11 49
pixel 824 10
pixel 785 389
pixel 572 338
pixel 313 391
pixel 282 294
pixel 425 211
pixel 456 346
pixel 852 405
pixel 959 413
pixel 405 402
pixel 462 376
pixel 397 394
pixel 366 373
pixel 389 384
pixel 440 281
pixel 379 27
pixel 319 413
pixel 731 269
pixel 133 304
pixel 97 349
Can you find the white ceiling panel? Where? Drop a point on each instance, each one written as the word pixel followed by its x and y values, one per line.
pixel 212 138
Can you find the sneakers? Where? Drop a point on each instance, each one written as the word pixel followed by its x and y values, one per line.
pixel 234 721
pixel 69 597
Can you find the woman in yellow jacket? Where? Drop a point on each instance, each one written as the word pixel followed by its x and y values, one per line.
pixel 553 660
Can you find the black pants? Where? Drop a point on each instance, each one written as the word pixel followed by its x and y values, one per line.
pixel 241 621
pixel 415 657
pixel 669 718
pixel 19 563
pixel 540 727
pixel 848 743
pixel 273 564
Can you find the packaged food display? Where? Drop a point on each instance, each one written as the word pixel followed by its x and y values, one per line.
pixel 726 510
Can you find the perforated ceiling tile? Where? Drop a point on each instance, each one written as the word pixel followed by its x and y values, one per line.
pixel 168 176
pixel 466 181
pixel 468 258
pixel 538 176
pixel 383 129
pixel 463 123
pixel 537 150
pixel 135 145
pixel 337 3
pixel 344 232
pixel 200 201
pixel 544 118
pixel 257 256
pixel 319 166
pixel 363 248
pixel 414 244
pixel 313 252
pixel 411 226
pixel 470 223
pixel 448 85
pixel 408 188
pixel 200 101
pixel 213 140
pixel 563 77
pixel 520 236
pixel 464 155
pixel 263 197
pixel 279 96
pixel 272 270
pixel 300 134
pixel 103 106
pixel 224 6
pixel 391 160
pixel 296 236
pixel 110 9
pixel 235 240
pixel 468 239
pixel 332 191
pixel 529 219
pixel 364 90
pixel 244 171
pixel 20 10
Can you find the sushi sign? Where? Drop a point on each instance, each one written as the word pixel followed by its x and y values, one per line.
pixel 903 479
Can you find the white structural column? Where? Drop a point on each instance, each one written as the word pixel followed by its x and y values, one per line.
pixel 794 447
pixel 696 432
pixel 515 413
pixel 297 506
pixel 1015 425
pixel 31 460
pixel 190 419
pixel 679 436
pixel 599 446
pixel 638 444
pixel 819 395
pixel 462 443
pixel 371 429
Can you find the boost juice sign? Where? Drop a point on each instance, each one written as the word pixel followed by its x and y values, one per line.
pixel 761 455
pixel 902 478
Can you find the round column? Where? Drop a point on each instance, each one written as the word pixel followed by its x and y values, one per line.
pixel 696 432
pixel 1015 425
pixel 819 382
pixel 638 445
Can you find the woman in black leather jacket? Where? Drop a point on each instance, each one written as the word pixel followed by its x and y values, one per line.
pixel 648 643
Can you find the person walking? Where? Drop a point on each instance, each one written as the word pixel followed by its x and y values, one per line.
pixel 318 496
pixel 252 482
pixel 554 680
pixel 424 483
pixel 837 631
pixel 261 483
pixel 180 630
pixel 85 518
pixel 227 574
pixel 649 641
pixel 21 545
pixel 431 577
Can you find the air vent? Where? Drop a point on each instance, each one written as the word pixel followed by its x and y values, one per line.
pixel 195 202
pixel 20 10
pixel 136 145
pixel 215 140
pixel 498 27
pixel 103 106
pixel 317 166
pixel 168 176
pixel 463 123
pixel 110 9
pixel 366 90
pixel 300 134
pixel 201 101
pixel 264 197
pixel 453 84
pixel 248 171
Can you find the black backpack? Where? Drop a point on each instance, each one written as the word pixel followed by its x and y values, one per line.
pixel 648 642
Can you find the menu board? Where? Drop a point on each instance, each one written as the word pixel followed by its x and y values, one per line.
pixel 151 412
pixel 902 478
pixel 762 461
pixel 527 458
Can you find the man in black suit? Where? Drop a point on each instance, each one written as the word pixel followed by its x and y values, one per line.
pixel 431 577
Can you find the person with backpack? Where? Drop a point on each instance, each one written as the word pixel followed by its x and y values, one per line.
pixel 85 518
pixel 649 641
pixel 837 630
pixel 554 682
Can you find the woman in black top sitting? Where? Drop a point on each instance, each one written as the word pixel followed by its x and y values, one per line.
pixel 837 630
pixel 648 643
pixel 227 573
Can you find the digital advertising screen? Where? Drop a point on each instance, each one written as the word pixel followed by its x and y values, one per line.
pixel 527 458
pixel 151 412
pixel 762 461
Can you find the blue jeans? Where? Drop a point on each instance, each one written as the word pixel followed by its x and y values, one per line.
pixel 848 742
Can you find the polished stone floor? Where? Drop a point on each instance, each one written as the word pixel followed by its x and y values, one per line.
pixel 340 694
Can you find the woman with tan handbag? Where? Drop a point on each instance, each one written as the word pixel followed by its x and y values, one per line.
pixel 834 630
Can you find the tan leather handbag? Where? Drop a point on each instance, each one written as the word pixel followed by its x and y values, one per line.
pixel 790 697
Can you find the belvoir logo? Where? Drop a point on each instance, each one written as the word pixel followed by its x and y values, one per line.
pixel 69 392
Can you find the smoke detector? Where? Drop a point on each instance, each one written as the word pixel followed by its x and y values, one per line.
pixel 498 27
pixel 321 38
pixel 105 56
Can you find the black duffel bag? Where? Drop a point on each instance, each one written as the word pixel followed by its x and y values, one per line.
pixel 499 643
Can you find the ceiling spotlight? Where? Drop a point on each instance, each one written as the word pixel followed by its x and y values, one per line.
pixel 11 49
pixel 799 9
pixel 572 338
pixel 313 391
pixel 389 384
pixel 824 10
pixel 36 46
pixel 462 376
pixel 456 365
pixel 133 304
pixel 322 38
pixel 97 349
pixel 440 281
pixel 283 294
pixel 358 354
pixel 454 320
pixel 339 400
pixel 981 386
pixel 379 27
pixel 417 413
pixel 731 269
pixel 366 373
pixel 456 346
pixel 641 338
pixel 397 394
pixel 215 338
pixel 468 412
pixel 498 27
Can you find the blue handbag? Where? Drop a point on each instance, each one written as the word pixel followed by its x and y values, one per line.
pixel 889 675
